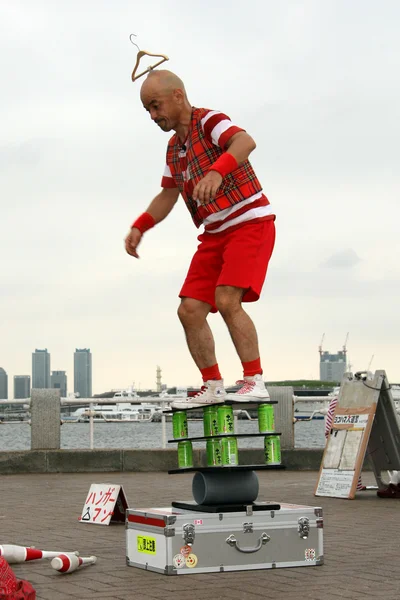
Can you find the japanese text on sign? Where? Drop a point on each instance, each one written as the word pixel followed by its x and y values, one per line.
pixel 146 545
pixel 351 420
pixel 100 503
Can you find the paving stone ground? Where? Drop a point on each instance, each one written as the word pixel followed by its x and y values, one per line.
pixel 361 541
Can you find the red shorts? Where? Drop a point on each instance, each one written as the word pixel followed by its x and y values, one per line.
pixel 237 257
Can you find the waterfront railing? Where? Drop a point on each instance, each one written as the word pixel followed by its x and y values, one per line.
pixel 46 418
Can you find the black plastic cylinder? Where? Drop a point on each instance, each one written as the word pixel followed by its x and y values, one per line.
pixel 228 487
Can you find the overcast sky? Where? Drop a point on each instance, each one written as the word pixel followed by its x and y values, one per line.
pixel 316 83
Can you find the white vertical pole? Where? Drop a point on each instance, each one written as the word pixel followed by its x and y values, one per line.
pixel 163 426
pixel 91 426
pixel 235 420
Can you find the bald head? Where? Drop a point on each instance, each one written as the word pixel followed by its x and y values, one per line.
pixel 163 95
pixel 161 81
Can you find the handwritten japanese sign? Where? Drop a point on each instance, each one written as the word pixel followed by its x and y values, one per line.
pixel 104 503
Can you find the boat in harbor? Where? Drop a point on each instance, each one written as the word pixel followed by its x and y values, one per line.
pixel 120 412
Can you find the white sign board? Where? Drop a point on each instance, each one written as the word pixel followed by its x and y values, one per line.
pixel 347 439
pixel 105 503
pixel 335 482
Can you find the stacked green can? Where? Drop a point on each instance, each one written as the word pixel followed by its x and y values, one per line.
pixel 218 420
pixel 222 445
pixel 272 443
pixel 180 432
pixel 185 454
pixel 179 425
pixel 210 420
pixel 272 450
pixel 214 453
pixel 225 419
pixel 230 454
pixel 229 445
pixel 266 418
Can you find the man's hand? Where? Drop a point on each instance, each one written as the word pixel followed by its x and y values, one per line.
pixel 207 188
pixel 132 241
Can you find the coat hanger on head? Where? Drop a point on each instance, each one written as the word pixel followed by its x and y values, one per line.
pixel 142 53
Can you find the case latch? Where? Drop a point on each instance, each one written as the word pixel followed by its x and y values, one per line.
pixel 188 533
pixel 304 527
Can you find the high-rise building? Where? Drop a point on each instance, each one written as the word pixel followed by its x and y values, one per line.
pixel 332 367
pixel 59 382
pixel 22 386
pixel 40 369
pixel 3 384
pixel 83 372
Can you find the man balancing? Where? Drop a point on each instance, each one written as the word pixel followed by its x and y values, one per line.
pixel 207 163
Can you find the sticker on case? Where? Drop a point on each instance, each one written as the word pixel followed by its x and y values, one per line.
pixel 191 560
pixel 179 561
pixel 310 554
pixel 146 544
pixel 186 550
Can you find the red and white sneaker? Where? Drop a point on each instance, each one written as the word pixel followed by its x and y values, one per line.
pixel 211 392
pixel 253 388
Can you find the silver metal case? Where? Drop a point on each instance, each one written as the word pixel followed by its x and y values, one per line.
pixel 174 541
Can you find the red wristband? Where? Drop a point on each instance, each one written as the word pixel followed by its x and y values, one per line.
pixel 144 222
pixel 225 164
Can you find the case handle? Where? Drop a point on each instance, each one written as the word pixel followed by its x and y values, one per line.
pixel 262 540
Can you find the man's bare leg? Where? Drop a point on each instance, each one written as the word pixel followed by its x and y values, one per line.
pixel 200 341
pixel 244 336
pixel 228 300
pixel 193 316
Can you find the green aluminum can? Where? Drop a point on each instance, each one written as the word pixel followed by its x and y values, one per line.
pixel 266 418
pixel 214 453
pixel 272 450
pixel 210 420
pixel 179 424
pixel 225 419
pixel 229 448
pixel 185 454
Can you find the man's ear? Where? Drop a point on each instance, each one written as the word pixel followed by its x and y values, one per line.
pixel 179 96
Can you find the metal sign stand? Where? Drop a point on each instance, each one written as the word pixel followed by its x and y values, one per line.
pixel 365 423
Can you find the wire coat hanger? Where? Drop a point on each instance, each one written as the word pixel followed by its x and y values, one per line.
pixel 142 53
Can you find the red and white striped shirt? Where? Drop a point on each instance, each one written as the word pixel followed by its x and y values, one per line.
pixel 219 129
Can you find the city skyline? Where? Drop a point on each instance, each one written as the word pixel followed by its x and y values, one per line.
pixel 339 362
pixel 46 378
pixel 80 160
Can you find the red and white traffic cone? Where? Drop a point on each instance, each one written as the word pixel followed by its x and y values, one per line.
pixel 19 554
pixel 66 563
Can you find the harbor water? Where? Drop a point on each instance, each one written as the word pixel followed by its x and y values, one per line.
pixel 17 436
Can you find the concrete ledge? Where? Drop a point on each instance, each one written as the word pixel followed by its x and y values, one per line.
pixel 154 460
pixel 303 459
pixel 84 461
pixel 23 461
pixel 115 460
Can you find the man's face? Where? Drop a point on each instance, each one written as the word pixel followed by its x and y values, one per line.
pixel 163 107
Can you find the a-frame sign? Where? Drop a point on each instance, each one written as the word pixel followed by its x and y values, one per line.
pixel 365 423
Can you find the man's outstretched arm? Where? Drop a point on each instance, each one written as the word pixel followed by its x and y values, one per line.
pixel 159 208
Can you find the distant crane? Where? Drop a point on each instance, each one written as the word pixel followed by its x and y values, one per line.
pixel 345 344
pixel 320 346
